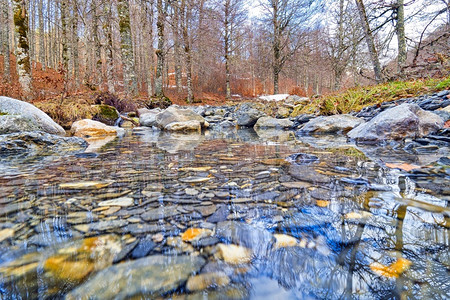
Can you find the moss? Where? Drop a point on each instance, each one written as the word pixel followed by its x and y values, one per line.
pixel 444 84
pixel 348 151
pixel 3 113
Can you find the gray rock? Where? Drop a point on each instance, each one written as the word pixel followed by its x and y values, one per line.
pixel 151 276
pixel 175 114
pixel 331 124
pixel 247 115
pixel 406 120
pixel 107 225
pixel 269 122
pixel 31 117
pixel 147 117
pixel 160 213
pixel 33 143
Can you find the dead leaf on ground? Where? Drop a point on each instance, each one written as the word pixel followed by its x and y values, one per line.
pixel 392 271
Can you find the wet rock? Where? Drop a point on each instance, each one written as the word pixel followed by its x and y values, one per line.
pixel 234 254
pixel 302 158
pixel 150 276
pixel 296 185
pixel 306 173
pixel 84 185
pixel 160 213
pixel 184 126
pixel 206 211
pixel 90 128
pixel 106 225
pixel 205 280
pixel 146 228
pixel 13 208
pixel 124 202
pixel 406 120
pixel 247 115
pixel 6 234
pixel 331 124
pixel 28 144
pixel 194 179
pixel 283 112
pixel 205 242
pixel 191 192
pixel 143 248
pixel 180 116
pixel 220 215
pixel 18 116
pixel 269 122
pixel 255 238
pixel 283 240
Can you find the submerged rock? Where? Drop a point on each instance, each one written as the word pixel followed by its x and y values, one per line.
pixel 331 124
pixel 34 143
pixel 406 120
pixel 18 116
pixel 150 276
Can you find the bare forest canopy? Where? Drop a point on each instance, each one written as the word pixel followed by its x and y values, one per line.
pixel 218 48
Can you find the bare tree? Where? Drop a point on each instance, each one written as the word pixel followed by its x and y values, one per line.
pixel 22 49
pixel 130 80
pixel 160 54
pixel 6 47
pixel 369 40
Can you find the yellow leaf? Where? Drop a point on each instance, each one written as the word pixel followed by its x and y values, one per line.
pixel 392 271
pixel 194 234
pixel 405 167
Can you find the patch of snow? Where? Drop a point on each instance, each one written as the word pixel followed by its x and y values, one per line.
pixel 278 97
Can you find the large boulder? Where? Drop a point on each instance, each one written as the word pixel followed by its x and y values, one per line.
pixel 91 128
pixel 269 122
pixel 331 124
pixel 183 117
pixel 17 116
pixel 247 115
pixel 406 120
pixel 147 117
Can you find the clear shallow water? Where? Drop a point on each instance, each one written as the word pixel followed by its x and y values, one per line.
pixel 360 229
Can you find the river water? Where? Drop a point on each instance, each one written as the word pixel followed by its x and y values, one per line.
pixel 236 215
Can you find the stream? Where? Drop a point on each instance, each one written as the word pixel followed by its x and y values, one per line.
pixel 226 215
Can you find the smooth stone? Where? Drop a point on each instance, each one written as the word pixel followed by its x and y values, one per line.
pixel 35 117
pixel 194 179
pixel 144 247
pixel 206 211
pixel 160 213
pixel 296 185
pixel 85 185
pixel 107 225
pixel 269 122
pixel 81 217
pixel 174 114
pixel 150 276
pixel 191 192
pixel 193 125
pixel 247 114
pixel 146 228
pixel 6 234
pixel 234 254
pixel 205 280
pixel 124 202
pixel 13 208
pixel 91 128
pixel 283 240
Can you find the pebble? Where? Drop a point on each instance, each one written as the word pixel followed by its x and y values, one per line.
pixel 205 280
pixel 234 254
pixel 124 202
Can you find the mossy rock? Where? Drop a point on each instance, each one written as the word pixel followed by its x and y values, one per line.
pixel 106 114
pixel 3 113
pixel 163 103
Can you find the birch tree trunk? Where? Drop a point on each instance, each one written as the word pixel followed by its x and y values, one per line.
pixel 41 35
pixel 148 43
pixel 22 48
pixel 369 40
pixel 126 45
pixel 75 40
pixel 185 20
pixel 177 51
pixel 227 48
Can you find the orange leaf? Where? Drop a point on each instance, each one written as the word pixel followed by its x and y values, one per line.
pixel 405 167
pixel 194 233
pixel 322 203
pixel 392 271
pixel 447 124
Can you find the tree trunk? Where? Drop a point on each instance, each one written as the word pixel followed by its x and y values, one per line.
pixel 109 50
pixel 126 46
pixel 401 35
pixel 75 40
pixel 6 49
pixel 276 68
pixel 369 40
pixel 160 51
pixel 99 78
pixel 65 42
pixel 148 44
pixel 22 48
pixel 177 51
pixel 185 19
pixel 227 49
pixel 41 35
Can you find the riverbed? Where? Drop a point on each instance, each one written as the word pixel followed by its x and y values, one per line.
pixel 226 215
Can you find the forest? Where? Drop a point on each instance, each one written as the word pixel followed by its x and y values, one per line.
pixel 217 49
